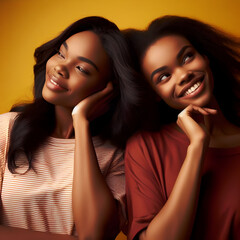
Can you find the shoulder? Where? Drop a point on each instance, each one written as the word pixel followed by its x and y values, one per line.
pixel 145 138
pixel 149 147
pixel 6 123
pixel 105 147
pixel 7 120
pixel 139 149
pixel 140 138
pixel 8 117
pixel 107 153
pixel 167 133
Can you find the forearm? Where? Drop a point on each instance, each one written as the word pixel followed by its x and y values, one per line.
pixel 175 219
pixel 94 207
pixel 10 233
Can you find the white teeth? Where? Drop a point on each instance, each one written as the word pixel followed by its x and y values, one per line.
pixel 193 88
pixel 54 82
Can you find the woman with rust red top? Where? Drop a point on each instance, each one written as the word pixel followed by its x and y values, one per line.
pixel 183 179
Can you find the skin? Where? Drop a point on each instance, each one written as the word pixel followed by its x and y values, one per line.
pixel 173 69
pixel 76 77
pixel 93 205
pixel 79 69
pixel 172 66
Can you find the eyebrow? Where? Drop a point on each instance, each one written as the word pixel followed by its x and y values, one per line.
pixel 83 58
pixel 165 67
pixel 88 61
pixel 65 45
pixel 182 51
pixel 157 70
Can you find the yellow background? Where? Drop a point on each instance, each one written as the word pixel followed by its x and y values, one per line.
pixel 26 24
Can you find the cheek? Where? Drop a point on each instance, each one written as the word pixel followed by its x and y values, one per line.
pixel 98 84
pixel 49 64
pixel 86 88
pixel 201 63
pixel 164 91
pixel 204 64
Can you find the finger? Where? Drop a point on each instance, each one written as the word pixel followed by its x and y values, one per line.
pixel 105 97
pixel 210 110
pixel 75 110
pixel 104 93
pixel 109 87
pixel 202 110
pixel 196 109
pixel 107 90
pixel 192 113
pixel 94 101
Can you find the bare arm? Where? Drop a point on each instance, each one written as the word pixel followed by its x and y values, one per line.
pixel 175 219
pixel 94 208
pixel 10 233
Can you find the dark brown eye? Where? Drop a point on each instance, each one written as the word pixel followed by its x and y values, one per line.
pixel 162 77
pixel 60 54
pixel 187 57
pixel 81 69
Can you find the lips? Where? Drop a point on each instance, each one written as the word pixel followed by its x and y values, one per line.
pixel 55 83
pixel 191 87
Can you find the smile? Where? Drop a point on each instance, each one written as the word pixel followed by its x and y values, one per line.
pixel 54 83
pixel 192 89
pixel 57 85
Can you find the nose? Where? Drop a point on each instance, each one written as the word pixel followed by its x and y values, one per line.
pixel 61 70
pixel 183 75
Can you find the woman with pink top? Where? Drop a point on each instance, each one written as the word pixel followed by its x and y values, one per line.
pixel 183 179
pixel 61 175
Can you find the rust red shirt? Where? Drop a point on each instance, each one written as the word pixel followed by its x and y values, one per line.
pixel 152 164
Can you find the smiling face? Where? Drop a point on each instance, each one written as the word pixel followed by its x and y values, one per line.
pixel 80 68
pixel 178 73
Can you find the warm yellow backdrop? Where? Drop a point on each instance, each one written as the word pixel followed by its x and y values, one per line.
pixel 26 24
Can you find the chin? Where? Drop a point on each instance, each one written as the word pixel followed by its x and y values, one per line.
pixel 204 102
pixel 46 97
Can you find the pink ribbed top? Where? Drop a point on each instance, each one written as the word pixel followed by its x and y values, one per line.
pixel 41 199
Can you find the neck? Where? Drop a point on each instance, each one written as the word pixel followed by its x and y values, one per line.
pixel 223 133
pixel 64 123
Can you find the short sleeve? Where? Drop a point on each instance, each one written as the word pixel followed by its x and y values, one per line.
pixel 144 189
pixel 6 122
pixel 111 163
pixel 115 179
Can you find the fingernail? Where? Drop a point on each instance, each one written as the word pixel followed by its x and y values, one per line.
pixel 74 111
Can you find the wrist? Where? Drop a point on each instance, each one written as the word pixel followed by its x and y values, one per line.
pixel 200 139
pixel 80 121
pixel 198 146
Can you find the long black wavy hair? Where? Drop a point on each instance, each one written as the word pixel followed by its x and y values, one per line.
pixel 222 50
pixel 36 121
